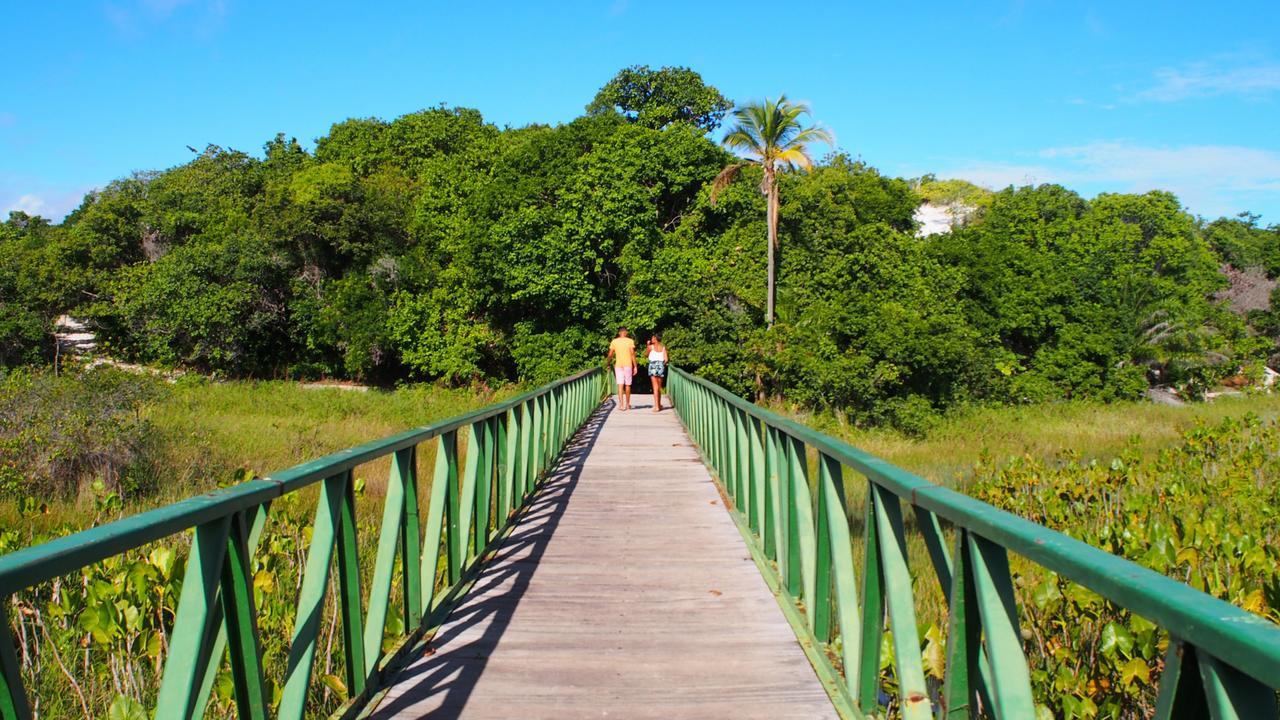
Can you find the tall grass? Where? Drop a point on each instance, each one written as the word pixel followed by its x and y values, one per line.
pixel 949 451
pixel 199 435
pixel 202 435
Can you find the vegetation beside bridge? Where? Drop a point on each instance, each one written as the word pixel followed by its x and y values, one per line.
pixel 436 246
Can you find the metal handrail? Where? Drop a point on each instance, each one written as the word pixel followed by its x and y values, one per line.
pixel 509 445
pixel 760 458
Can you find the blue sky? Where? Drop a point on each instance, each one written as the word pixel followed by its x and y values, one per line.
pixel 1100 97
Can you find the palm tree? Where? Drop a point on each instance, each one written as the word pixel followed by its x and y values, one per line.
pixel 770 135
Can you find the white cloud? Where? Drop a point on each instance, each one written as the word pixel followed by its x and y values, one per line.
pixel 1210 179
pixel 53 204
pixel 29 204
pixel 1205 79
pixel 1228 167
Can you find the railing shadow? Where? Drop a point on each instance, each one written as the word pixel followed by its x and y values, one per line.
pixel 453 670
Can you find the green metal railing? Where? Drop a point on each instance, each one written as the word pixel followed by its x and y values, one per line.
pixel 1222 662
pixel 508 447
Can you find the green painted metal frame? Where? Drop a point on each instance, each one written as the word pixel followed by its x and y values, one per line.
pixel 1223 662
pixel 509 447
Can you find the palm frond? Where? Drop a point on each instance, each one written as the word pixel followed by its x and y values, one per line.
pixel 816 133
pixel 771 132
pixel 743 139
pixel 724 179
pixel 794 157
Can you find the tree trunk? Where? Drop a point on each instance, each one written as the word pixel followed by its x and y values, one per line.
pixel 772 217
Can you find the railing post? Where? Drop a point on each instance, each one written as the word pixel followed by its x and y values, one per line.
pixel 256 526
pixel 797 499
pixel 526 451
pixel 536 451
pixel 464 550
pixel 780 494
pixel 736 461
pixel 13 695
pixel 821 609
pixel 993 586
pixel 406 464
pixel 803 532
pixel 393 513
pixel 315 578
pixel 509 442
pixel 439 517
pixel 759 516
pixel 843 575
pixel 349 595
pixel 192 640
pixel 964 636
pixel 484 486
pixel 242 624
pixel 912 691
pixel 734 456
pixel 868 667
pixel 550 420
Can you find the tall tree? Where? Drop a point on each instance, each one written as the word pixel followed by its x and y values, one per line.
pixel 658 98
pixel 771 135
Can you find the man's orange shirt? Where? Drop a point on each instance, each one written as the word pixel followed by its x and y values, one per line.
pixel 624 352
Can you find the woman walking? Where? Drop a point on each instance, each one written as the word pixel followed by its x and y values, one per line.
pixel 657 369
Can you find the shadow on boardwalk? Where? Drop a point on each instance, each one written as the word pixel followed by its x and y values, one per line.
pixel 448 678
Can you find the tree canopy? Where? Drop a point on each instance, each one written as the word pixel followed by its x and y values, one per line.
pixel 658 98
pixel 436 246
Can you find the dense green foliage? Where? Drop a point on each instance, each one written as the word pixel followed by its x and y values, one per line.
pixel 59 432
pixel 658 98
pixel 437 246
pixel 1203 512
pixel 1241 243
pixel 98 642
pixel 93 642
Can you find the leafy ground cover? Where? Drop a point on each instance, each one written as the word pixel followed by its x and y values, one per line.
pixel 93 643
pixel 1190 492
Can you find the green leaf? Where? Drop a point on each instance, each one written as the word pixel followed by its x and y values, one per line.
pixel 1046 593
pixel 163 559
pixel 126 708
pixel 1115 637
pixel 1135 669
pixel 140 578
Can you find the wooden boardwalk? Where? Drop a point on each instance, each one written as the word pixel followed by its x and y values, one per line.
pixel 625 592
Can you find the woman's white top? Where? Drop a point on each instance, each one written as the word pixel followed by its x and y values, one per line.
pixel 658 355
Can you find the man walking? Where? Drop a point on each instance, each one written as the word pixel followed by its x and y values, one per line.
pixel 623 353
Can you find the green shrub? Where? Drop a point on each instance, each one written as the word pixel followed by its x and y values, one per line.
pixel 58 432
pixel 1204 512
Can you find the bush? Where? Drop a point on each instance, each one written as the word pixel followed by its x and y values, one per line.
pixel 58 433
pixel 24 337
pixel 217 306
pixel 1203 513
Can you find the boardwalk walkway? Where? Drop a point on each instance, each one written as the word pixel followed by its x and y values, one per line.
pixel 626 592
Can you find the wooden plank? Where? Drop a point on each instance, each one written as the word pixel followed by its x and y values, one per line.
pixel 626 591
